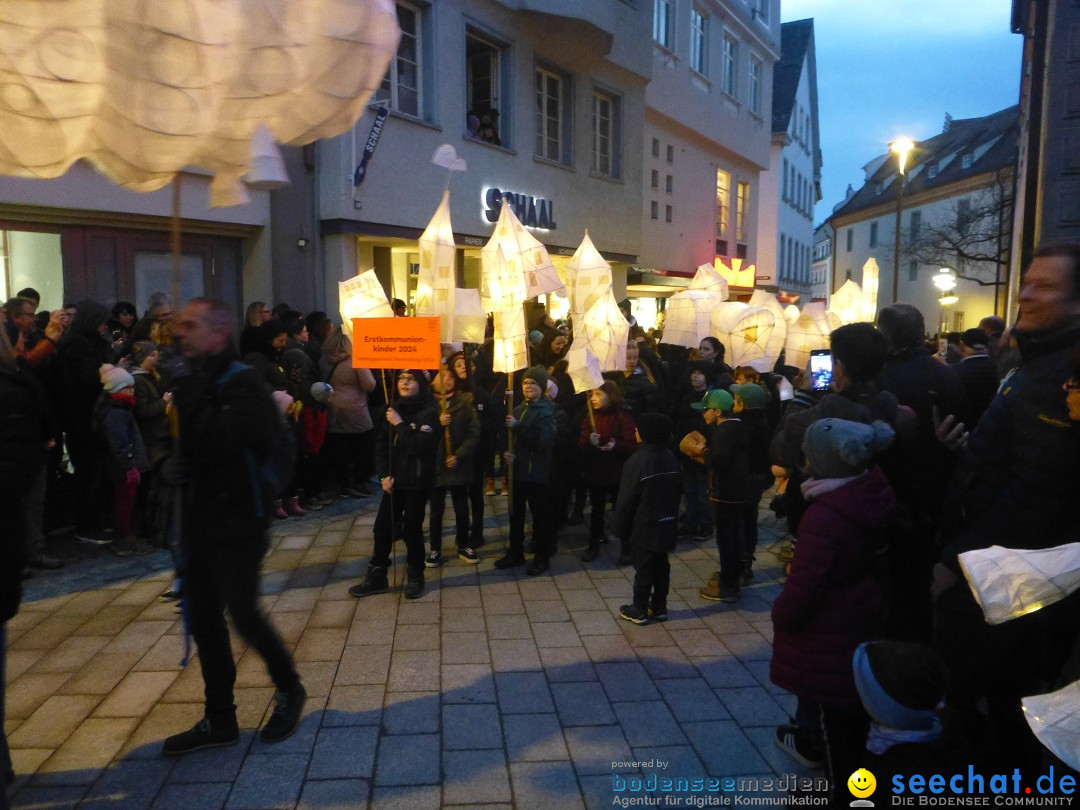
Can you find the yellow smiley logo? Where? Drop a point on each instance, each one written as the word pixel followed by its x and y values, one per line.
pixel 862 783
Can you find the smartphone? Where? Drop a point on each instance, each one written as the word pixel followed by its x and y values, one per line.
pixel 821 369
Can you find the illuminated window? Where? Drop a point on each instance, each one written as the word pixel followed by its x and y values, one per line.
pixel 723 198
pixel 742 211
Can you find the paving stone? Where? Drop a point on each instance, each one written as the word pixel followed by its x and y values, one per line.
pixel 534 737
pixel 268 782
pixel 667 662
pixel 212 764
pixel 363 665
pixel 137 636
pixel 547 611
pixel 414 797
pixel 334 794
pixel 724 673
pixel 460 596
pixel 414 672
pixel 165 655
pixel 596 623
pixel 128 784
pixel 418 637
pixel 609 648
pixel 544 785
pixel 523 692
pixel 691 699
pixel 70 655
pixel 680 761
pixel 86 753
pixel 508 626
pixel 648 723
pixel 411 713
pixel 534 590
pixel 748 646
pixel 567 664
pixel 626 681
pixel 409 759
pixel 34 798
pixel 164 720
pixel 302 740
pixel 467 683
pixel 23 696
pixel 503 604
pixel 354 706
pixel 509 655
pixel 53 721
pixel 135 695
pixel 724 749
pixel 477 777
pixel 581 600
pixel 321 644
pixel 699 642
pixel 471 727
pixel 582 704
pixel 594 749
pixel 317 676
pixel 555 634
pixel 344 753
pixel 419 611
pixel 465 648
pixel 752 706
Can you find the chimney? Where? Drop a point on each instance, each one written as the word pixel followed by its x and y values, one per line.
pixel 948 123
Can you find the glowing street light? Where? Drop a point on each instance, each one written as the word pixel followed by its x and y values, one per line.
pixel 902 147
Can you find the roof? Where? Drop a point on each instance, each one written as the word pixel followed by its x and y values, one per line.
pixel 990 140
pixel 795 38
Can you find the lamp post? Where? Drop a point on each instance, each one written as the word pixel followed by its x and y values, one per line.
pixel 901 147
pixel 945 281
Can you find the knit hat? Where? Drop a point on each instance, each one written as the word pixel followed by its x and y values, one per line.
pixel 535 336
pixel 751 394
pixel 901 684
pixel 282 400
pixel 321 392
pixel 141 350
pixel 714 399
pixel 838 448
pixel 655 428
pixel 537 374
pixel 114 378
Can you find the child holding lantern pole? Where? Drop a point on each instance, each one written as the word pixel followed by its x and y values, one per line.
pixel 532 427
pixel 607 439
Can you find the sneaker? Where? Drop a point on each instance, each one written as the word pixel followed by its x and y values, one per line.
pixel 131 546
pixel 716 592
pixel 632 613
pixel 704 533
pixel 204 735
pixel 171 595
pixel 374 582
pixel 433 559
pixel 658 614
pixel 504 487
pixel 413 589
pixel 786 552
pixel 539 565
pixel 286 715
pixel 510 560
pixel 590 554
pixel 489 486
pixel 92 538
pixel 468 555
pixel 791 740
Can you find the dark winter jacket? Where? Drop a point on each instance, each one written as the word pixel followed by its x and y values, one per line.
pixel 978 374
pixel 758 467
pixel 117 424
pixel 407 451
pixel 640 393
pixel 534 441
pixel 600 468
pixel 1016 483
pixel 150 416
pixel 464 440
pixel 832 601
pixel 726 461
pixel 647 509
pixel 226 428
pixel 79 357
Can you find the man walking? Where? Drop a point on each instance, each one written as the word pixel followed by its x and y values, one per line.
pixel 226 429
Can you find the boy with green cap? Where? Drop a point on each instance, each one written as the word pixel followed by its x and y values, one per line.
pixel 533 426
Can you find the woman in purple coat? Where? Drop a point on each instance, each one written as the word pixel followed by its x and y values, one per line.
pixel 832 600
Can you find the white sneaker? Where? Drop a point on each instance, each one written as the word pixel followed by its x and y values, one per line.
pixel 433 559
pixel 468 555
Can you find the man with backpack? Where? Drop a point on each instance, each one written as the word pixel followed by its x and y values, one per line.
pixel 226 463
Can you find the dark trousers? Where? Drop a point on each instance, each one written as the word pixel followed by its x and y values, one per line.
pixel 459 495
pixel 652 577
pixel 350 456
pixel 226 575
pixel 843 740
pixel 749 527
pixel 535 496
pixel 405 507
pixel 476 510
pixel 598 500
pixel 729 540
pixel 87 454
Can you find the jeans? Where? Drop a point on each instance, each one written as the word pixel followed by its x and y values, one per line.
pixel 459 495
pixel 535 496
pixel 598 500
pixel 226 575
pixel 652 577
pixel 407 507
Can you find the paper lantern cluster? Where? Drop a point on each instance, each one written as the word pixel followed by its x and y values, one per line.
pixel 688 312
pixel 143 89
pixel 600 330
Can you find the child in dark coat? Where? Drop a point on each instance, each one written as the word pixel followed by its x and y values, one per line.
pixel 460 429
pixel 646 517
pixel 127 458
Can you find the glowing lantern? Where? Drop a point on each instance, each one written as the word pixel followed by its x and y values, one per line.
pixel 791 313
pixel 847 302
pixel 587 277
pixel 604 331
pixel 468 321
pixel 744 331
pixel 523 253
pixel 142 91
pixel 1008 583
pixel 736 275
pixel 687 317
pixel 362 297
pixel 708 277
pixel 583 368
pixel 775 344
pixel 870 275
pixel 1055 720
pixel 511 341
pixel 811 331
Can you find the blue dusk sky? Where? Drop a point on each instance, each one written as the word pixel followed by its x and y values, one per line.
pixel 888 68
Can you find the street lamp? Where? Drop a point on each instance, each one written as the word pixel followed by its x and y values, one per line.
pixel 901 147
pixel 945 281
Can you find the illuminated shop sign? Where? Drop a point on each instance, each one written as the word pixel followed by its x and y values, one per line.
pixel 533 212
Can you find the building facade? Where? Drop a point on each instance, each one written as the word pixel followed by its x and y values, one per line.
pixel 954 210
pixel 821 268
pixel 792 185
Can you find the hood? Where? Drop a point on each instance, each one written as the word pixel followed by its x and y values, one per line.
pixel 867 501
pixel 89 316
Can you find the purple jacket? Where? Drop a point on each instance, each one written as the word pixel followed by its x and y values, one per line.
pixel 831 600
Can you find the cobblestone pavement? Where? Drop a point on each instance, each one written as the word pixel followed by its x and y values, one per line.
pixel 494 688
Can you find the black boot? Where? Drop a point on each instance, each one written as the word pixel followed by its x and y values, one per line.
pixel 374 582
pixel 592 552
pixel 414 587
pixel 538 565
pixel 288 705
pixel 207 733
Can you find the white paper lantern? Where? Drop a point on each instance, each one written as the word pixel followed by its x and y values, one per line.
pixel 604 331
pixel 587 277
pixel 778 338
pixel 847 302
pixel 583 368
pixel 809 332
pixel 511 349
pixel 525 256
pixel 708 277
pixel 687 317
pixel 744 331
pixel 870 277
pixel 1008 583
pixel 1055 720
pixel 362 297
pixel 469 320
pixel 438 259
pixel 791 313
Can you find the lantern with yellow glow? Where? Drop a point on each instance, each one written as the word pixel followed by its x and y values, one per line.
pixel 870 276
pixel 468 320
pixel 1055 720
pixel 604 331
pixel 791 314
pixel 847 302
pixel 583 368
pixel 707 277
pixel 587 277
pixel 775 345
pixel 511 349
pixel 687 317
pixel 362 297
pixel 744 331
pixel 523 253
pixel 809 332
pixel 736 275
pixel 1008 583
pixel 141 95
pixel 436 278
pixel 505 294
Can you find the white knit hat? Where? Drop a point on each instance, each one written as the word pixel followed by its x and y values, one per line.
pixel 114 378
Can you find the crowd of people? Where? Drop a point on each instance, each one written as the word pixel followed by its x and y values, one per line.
pixel 905 461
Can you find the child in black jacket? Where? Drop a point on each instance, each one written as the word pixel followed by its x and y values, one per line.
pixel 646 514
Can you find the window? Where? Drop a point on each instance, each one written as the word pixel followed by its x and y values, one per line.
pixel 756 70
pixel 916 224
pixel 913 270
pixel 401 84
pixel 670 153
pixel 655 181
pixel 656 147
pixel 698 40
pixel 483 82
pixel 731 65
pixel 669 184
pixel 661 23
pixel 850 239
pixel 654 210
pixel 931 172
pixel 783 255
pixel 963 214
pixel 762 9
pixel 785 179
pixel 549 115
pixel 667 213
pixel 605 128
pixel 723 198
pixel 742 211
pixel 873 234
pixel 965 161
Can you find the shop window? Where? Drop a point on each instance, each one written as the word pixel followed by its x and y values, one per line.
pixel 486 68
pixel 402 85
pixel 32 259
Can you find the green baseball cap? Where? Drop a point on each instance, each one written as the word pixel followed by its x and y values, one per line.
pixel 714 399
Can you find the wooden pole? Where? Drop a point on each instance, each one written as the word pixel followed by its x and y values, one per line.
pixel 592 415
pixel 442 409
pixel 510 440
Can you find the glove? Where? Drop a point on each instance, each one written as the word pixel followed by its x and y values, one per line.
pixel 132 476
pixel 594 439
pixel 175 470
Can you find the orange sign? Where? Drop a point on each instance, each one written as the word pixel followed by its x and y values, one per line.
pixel 396 343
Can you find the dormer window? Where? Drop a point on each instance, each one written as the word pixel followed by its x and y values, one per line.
pixel 932 171
pixel 965 161
pixel 879 187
